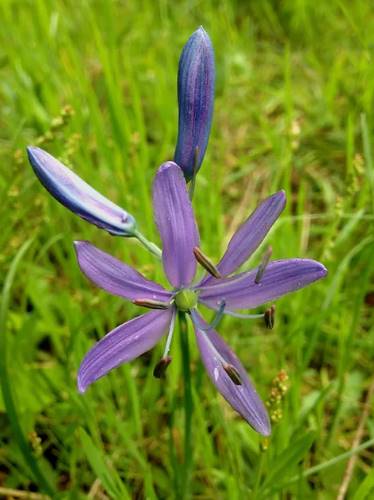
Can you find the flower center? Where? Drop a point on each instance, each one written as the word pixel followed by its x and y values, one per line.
pixel 185 300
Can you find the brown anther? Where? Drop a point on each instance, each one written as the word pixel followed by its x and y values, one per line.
pixel 233 373
pixel 269 317
pixel 151 304
pixel 207 264
pixel 262 266
pixel 160 368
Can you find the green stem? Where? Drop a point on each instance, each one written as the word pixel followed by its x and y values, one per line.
pixel 188 405
pixel 258 475
pixel 148 244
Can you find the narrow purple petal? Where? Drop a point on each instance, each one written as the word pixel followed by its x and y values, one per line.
pixel 280 277
pixel 250 234
pixel 123 344
pixel 76 195
pixel 196 77
pixel 176 224
pixel 243 398
pixel 114 276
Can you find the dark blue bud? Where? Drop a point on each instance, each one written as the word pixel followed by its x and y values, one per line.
pixel 76 195
pixel 196 77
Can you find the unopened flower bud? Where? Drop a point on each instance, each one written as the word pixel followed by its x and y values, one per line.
pixel 76 195
pixel 196 77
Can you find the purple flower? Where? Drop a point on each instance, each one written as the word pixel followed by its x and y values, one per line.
pixel 196 77
pixel 175 220
pixel 76 195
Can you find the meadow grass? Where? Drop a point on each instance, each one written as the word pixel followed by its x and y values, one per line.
pixel 94 83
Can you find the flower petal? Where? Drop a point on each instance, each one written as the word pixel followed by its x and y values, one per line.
pixel 196 77
pixel 250 235
pixel 176 224
pixel 280 277
pixel 124 343
pixel 78 196
pixel 243 398
pixel 114 276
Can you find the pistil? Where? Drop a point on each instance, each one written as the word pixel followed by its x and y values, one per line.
pixel 185 300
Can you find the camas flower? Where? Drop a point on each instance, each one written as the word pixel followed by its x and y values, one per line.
pixel 175 220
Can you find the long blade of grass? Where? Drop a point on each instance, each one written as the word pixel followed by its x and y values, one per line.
pixel 6 386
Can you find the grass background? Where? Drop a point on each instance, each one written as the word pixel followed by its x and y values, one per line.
pixel 94 83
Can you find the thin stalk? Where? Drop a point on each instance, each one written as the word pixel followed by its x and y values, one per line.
pixel 188 406
pixel 258 475
pixel 148 244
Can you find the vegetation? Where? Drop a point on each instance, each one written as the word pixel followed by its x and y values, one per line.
pixel 94 83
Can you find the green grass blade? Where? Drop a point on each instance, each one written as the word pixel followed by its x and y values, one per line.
pixel 6 385
pixel 108 476
pixel 366 489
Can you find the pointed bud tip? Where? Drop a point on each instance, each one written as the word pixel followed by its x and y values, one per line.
pixel 34 153
pixel 323 270
pixel 31 149
pixel 201 32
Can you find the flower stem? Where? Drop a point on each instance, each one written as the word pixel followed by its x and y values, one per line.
pixel 258 476
pixel 148 244
pixel 188 405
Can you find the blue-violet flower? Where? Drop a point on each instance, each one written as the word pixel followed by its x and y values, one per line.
pixel 180 237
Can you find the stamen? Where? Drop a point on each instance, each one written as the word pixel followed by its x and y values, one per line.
pixel 195 167
pixel 160 368
pixel 233 373
pixel 269 317
pixel 170 335
pixel 262 266
pixel 243 316
pixel 207 264
pixel 151 304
